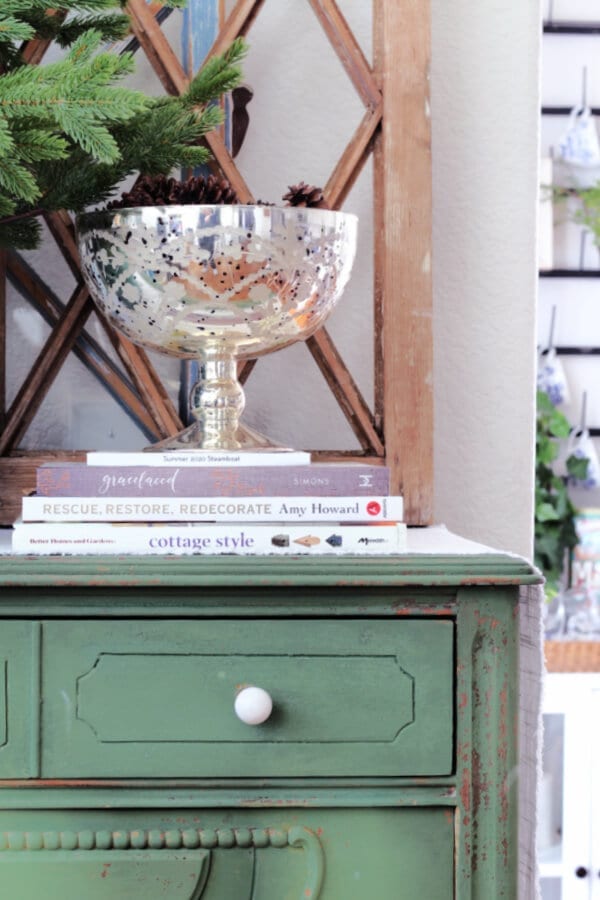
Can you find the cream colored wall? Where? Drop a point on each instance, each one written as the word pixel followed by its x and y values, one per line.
pixel 485 96
pixel 485 101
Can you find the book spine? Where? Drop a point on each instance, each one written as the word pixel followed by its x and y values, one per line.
pixel 328 480
pixel 198 458
pixel 207 539
pixel 212 509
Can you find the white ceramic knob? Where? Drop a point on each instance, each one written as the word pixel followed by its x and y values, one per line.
pixel 253 705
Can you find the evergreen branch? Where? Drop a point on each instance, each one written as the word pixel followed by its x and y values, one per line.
pixel 91 137
pixel 83 47
pixel 112 28
pixel 192 157
pixel 44 22
pixel 147 141
pixel 77 182
pixel 100 72
pixel 21 216
pixel 69 134
pixel 209 119
pixel 36 144
pixel 65 31
pixel 25 7
pixel 13 29
pixel 6 138
pixel 17 180
pixel 40 19
pixel 218 76
pixel 7 207
pixel 76 95
pixel 26 234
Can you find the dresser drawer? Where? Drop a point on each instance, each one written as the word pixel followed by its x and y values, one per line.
pixel 233 854
pixel 19 699
pixel 156 698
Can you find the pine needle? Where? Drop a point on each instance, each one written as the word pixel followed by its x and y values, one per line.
pixel 70 133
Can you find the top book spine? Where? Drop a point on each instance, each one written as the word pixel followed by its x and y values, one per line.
pixel 240 458
pixel 327 480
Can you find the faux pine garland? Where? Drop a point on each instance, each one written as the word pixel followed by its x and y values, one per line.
pixel 69 133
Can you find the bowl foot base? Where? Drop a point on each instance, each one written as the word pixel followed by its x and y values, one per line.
pixel 192 438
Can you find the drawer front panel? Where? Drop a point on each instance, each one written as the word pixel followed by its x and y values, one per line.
pixel 104 875
pixel 19 699
pixel 156 699
pixel 322 854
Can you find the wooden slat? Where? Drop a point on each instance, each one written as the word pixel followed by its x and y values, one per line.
pixel 236 25
pixel 175 81
pixel 18 477
pixel 348 50
pixel 87 350
pixel 63 231
pixel 378 280
pixel 157 48
pixel 244 370
pixel 34 51
pixel 345 391
pixel 352 160
pixel 45 369
pixel 337 456
pixel 225 163
pixel 146 381
pixel 137 364
pixel 403 255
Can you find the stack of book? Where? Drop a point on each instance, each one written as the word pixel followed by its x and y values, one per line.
pixel 197 502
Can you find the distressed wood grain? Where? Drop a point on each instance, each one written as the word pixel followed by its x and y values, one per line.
pixel 404 351
pixel 45 369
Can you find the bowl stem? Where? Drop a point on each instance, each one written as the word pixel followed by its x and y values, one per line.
pixel 216 404
pixel 217 400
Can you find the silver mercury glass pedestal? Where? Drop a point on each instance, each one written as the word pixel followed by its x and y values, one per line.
pixel 217 284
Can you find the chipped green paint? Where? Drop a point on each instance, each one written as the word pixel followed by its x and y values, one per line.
pixel 324 854
pixel 361 785
pixel 245 571
pixel 487 744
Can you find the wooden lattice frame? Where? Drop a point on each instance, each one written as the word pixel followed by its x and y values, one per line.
pixel 395 130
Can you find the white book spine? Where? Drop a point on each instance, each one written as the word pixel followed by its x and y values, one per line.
pixel 207 539
pixel 198 458
pixel 212 509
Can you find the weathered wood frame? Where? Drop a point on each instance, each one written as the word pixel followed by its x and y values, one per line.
pixel 395 130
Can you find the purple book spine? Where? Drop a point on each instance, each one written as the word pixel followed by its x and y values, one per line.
pixel 327 480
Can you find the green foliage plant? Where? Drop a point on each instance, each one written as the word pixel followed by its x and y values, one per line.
pixel 69 132
pixel 555 532
pixel 587 210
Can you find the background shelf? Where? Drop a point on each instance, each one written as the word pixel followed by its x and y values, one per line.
pixel 571 27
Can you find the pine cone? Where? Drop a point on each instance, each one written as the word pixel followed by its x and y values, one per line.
pixel 305 195
pixel 208 190
pixel 158 190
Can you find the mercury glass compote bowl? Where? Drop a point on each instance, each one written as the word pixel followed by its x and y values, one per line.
pixel 217 284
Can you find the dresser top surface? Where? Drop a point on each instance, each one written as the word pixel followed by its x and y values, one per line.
pixel 434 556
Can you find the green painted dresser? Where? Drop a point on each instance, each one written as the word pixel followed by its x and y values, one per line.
pixel 383 772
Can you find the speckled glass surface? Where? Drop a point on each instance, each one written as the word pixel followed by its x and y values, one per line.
pixel 218 284
pixel 176 279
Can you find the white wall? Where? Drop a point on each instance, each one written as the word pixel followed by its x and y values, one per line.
pixel 485 98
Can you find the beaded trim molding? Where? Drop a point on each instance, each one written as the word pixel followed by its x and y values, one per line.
pixel 177 839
